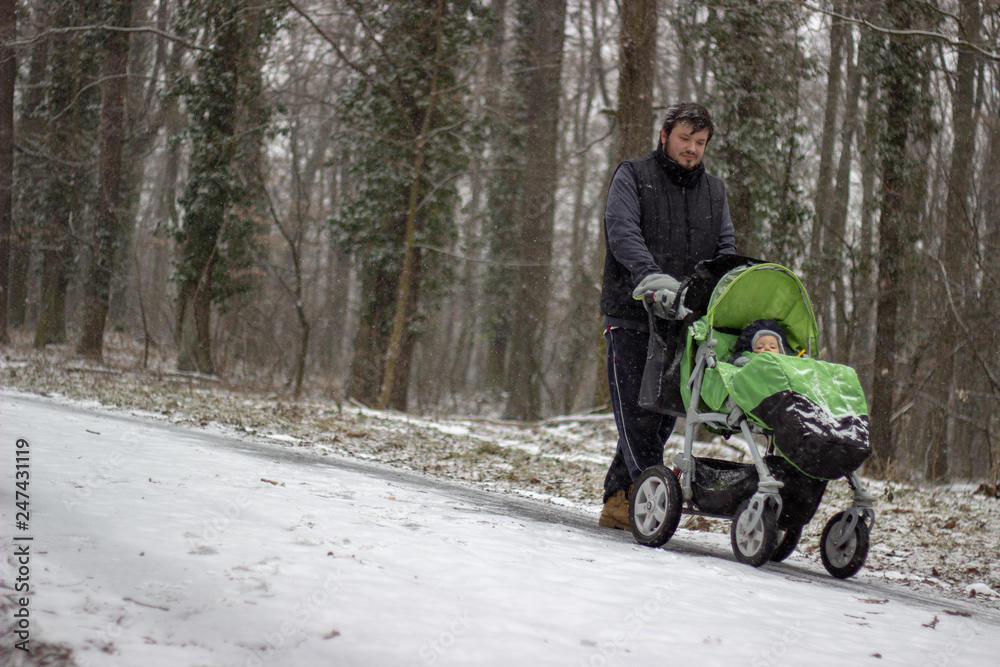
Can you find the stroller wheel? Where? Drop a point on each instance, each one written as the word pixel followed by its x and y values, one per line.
pixel 654 507
pixel 788 539
pixel 754 545
pixel 847 559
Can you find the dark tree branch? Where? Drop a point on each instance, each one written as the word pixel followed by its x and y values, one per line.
pixel 109 28
pixel 929 34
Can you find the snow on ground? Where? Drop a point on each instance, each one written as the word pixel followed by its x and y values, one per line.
pixel 936 543
pixel 944 540
pixel 162 544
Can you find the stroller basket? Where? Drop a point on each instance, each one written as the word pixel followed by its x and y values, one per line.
pixel 719 486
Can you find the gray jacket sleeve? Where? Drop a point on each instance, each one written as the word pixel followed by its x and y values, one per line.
pixel 621 220
pixel 727 234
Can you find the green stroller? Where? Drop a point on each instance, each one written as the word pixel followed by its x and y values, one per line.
pixel 812 414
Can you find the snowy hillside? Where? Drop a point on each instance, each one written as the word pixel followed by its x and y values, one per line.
pixel 156 544
pixel 256 525
pixel 934 538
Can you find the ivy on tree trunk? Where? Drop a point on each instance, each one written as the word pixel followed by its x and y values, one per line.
pixel 215 241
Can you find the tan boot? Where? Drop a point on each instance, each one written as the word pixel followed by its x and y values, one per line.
pixel 615 512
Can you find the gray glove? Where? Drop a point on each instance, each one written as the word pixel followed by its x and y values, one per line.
pixel 663 300
pixel 654 282
pixel 663 288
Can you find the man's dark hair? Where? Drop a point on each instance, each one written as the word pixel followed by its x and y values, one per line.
pixel 689 113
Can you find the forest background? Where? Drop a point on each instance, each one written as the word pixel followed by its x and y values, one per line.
pixel 401 202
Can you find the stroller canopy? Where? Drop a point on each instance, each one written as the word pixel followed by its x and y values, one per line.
pixel 815 410
pixel 764 291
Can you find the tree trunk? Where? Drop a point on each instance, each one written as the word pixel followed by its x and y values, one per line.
pixel 51 327
pixel 636 71
pixel 580 329
pixel 68 115
pixel 371 337
pixel 503 196
pixel 543 25
pixel 108 231
pixel 303 352
pixel 164 195
pixel 399 396
pixel 405 284
pixel 862 330
pixel 8 76
pixel 30 167
pixel 20 260
pixel 820 244
pixel 988 303
pixel 681 20
pixel 143 123
pixel 602 395
pixel 839 205
pixel 213 237
pixel 901 77
pixel 887 304
pixel 959 229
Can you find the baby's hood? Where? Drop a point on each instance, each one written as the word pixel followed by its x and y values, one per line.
pixel 745 342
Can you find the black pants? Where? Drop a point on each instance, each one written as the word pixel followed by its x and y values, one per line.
pixel 642 434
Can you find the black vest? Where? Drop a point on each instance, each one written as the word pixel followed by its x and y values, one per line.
pixel 680 224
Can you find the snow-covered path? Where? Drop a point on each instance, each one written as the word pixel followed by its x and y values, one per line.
pixel 154 545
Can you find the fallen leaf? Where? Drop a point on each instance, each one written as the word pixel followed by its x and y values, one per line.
pixel 957 613
pixel 932 624
pixel 332 634
pixel 697 523
pixel 271 481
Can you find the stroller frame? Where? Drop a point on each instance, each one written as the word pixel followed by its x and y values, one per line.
pixel 754 531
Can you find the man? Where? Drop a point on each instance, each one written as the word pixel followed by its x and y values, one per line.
pixel 664 215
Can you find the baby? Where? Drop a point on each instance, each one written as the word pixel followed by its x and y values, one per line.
pixel 759 336
pixel 765 341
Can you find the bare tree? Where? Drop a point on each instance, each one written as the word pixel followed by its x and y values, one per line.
pixel 839 247
pixel 636 69
pixel 67 186
pixel 29 165
pixel 108 229
pixel 959 228
pixel 8 77
pixel 900 73
pixel 820 242
pixel 541 33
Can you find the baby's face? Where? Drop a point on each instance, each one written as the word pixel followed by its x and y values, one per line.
pixel 767 344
